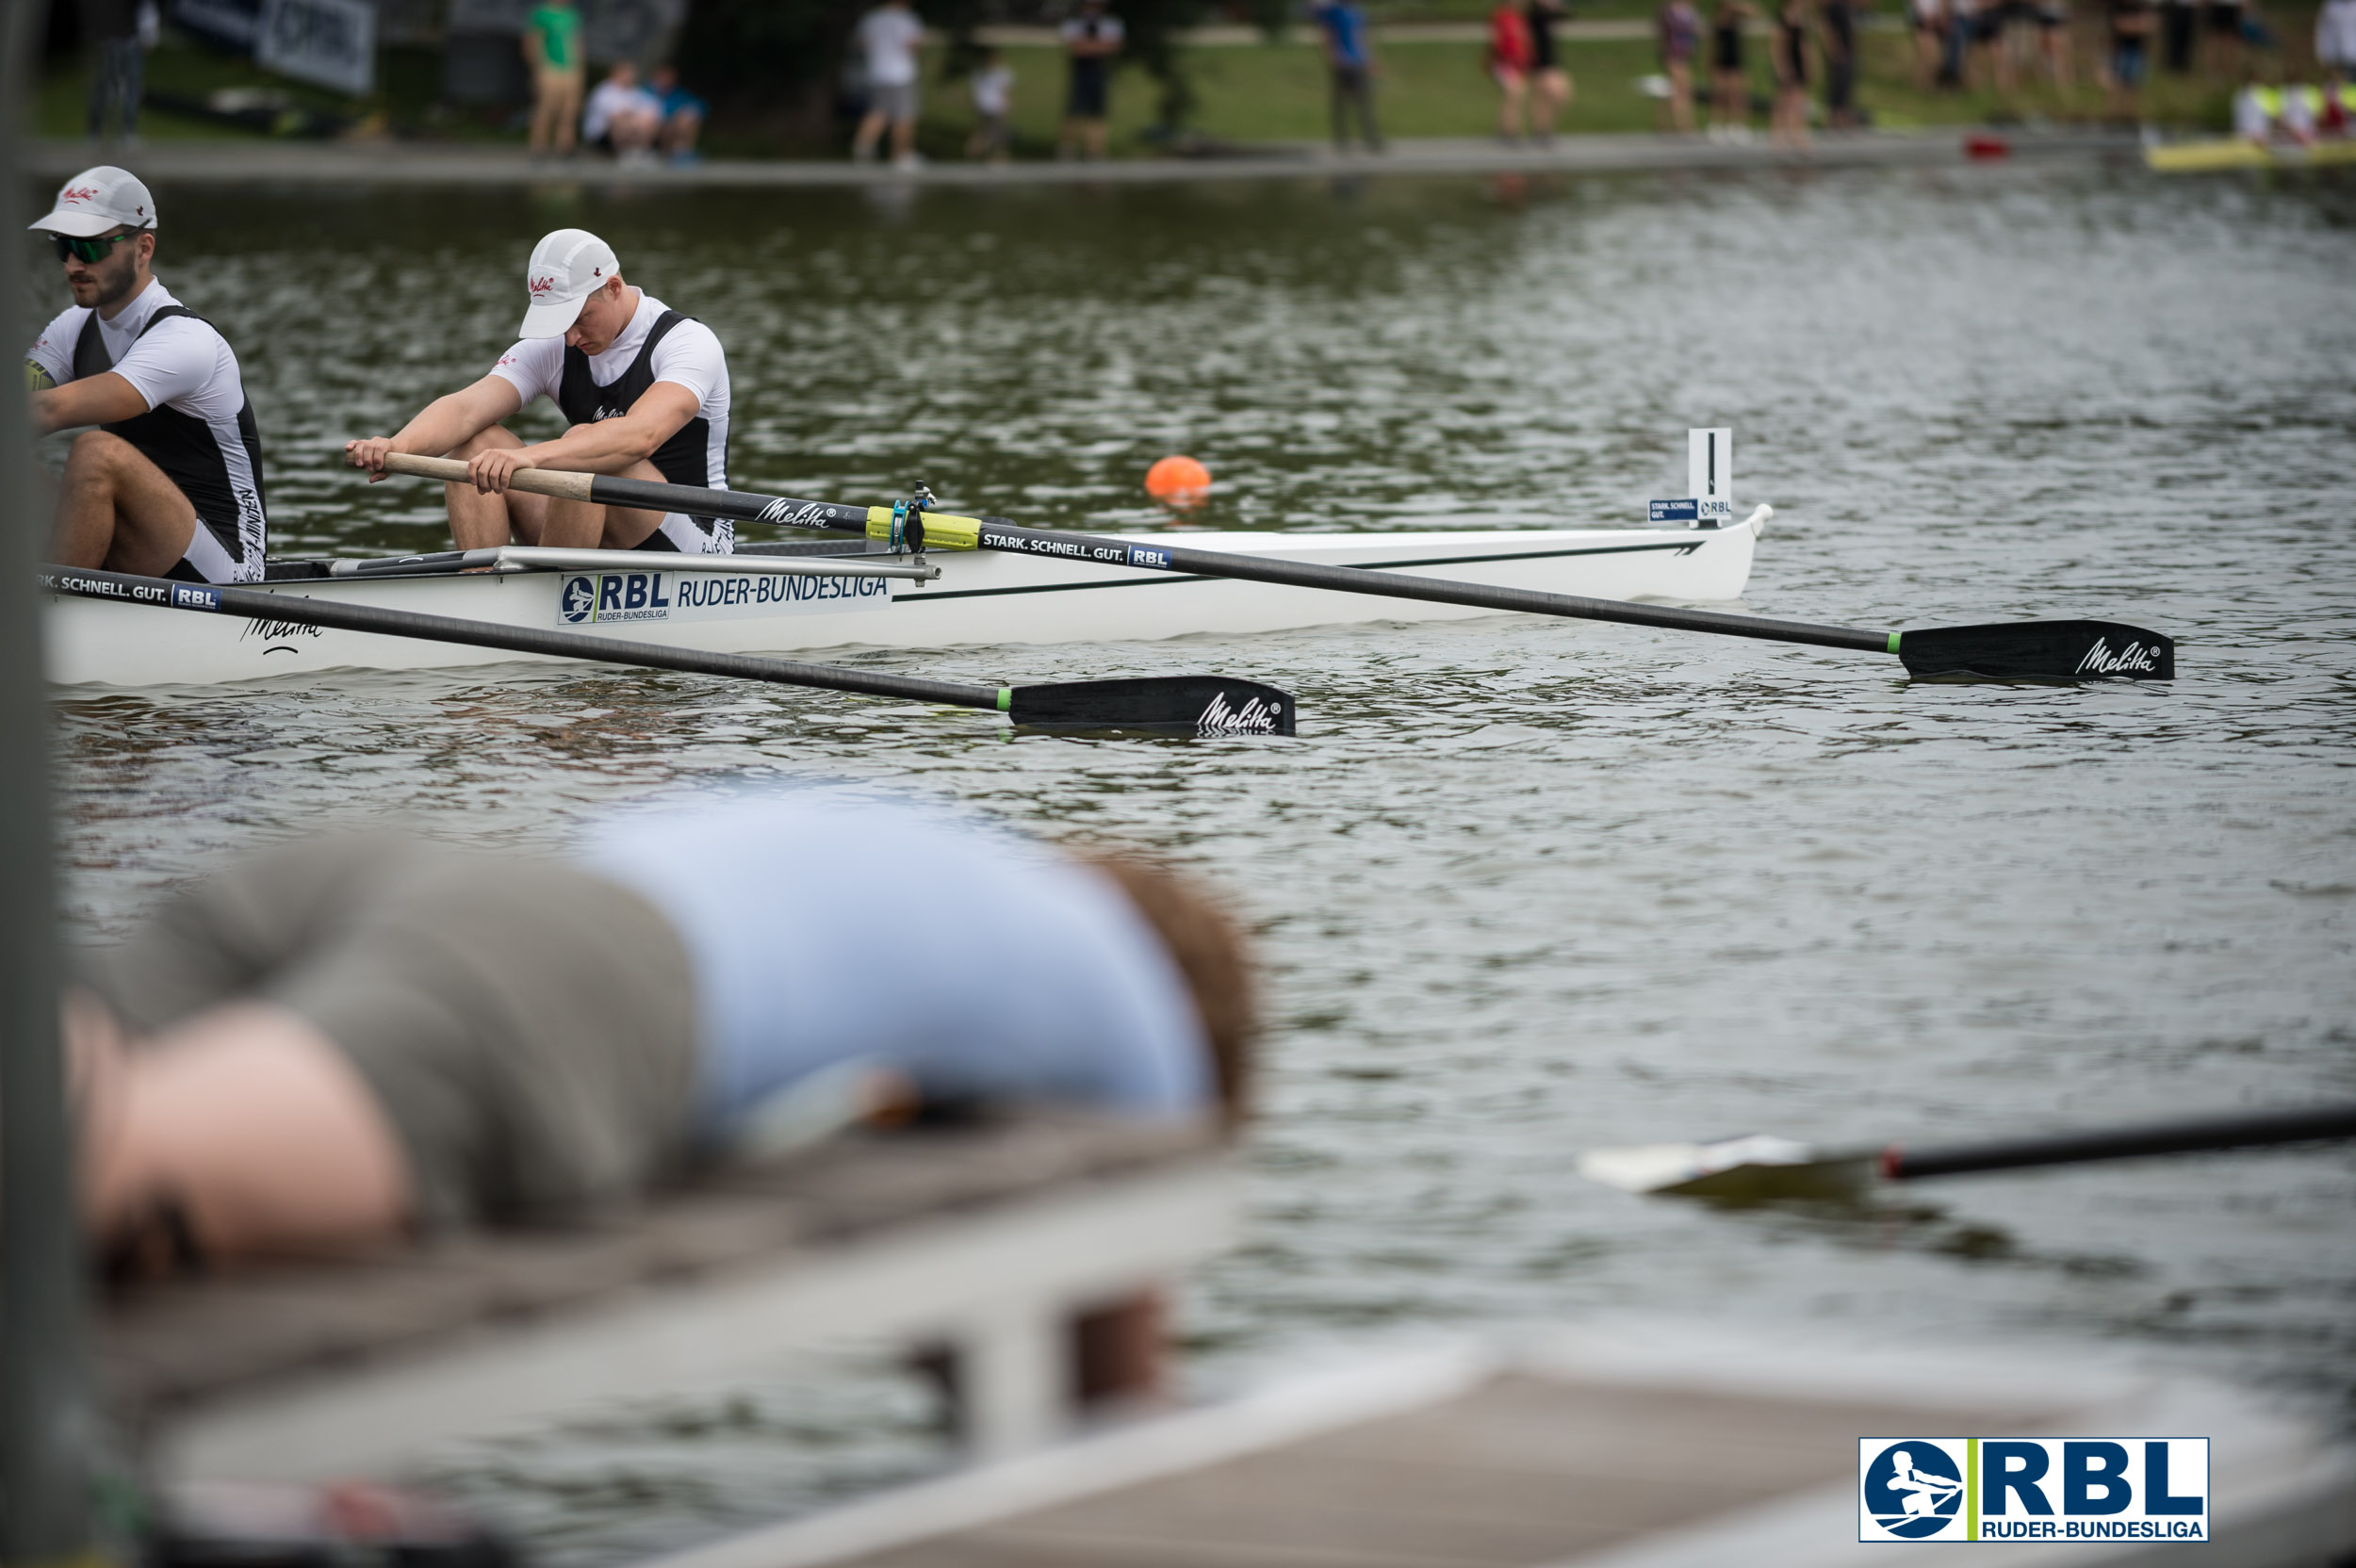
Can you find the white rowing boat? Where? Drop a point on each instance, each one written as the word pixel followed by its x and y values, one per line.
pixel 768 599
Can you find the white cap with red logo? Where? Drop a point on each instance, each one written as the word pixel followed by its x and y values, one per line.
pixel 97 199
pixel 566 268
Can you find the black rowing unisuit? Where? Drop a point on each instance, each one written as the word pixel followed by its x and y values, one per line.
pixel 191 454
pixel 686 458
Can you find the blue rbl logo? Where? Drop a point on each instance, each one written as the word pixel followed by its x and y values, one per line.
pixel 2033 1489
pixel 579 599
pixel 1912 1491
pixel 1148 555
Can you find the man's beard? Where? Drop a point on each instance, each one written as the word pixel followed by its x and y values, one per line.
pixel 115 290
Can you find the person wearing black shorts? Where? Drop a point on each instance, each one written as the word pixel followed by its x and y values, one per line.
pixel 1729 84
pixel 1550 86
pixel 1789 126
pixel 2178 19
pixel 1840 64
pixel 2221 58
pixel 1090 39
pixel 2130 41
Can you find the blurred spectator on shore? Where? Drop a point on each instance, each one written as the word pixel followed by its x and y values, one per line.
pixel 2335 44
pixel 1677 30
pixel 2253 116
pixel 2221 53
pixel 1787 126
pixel 2132 25
pixel 2268 112
pixel 1928 19
pixel 1509 66
pixel 2053 27
pixel 888 38
pixel 1954 41
pixel 1090 39
pixel 1550 86
pixel 622 117
pixel 552 44
pixel 2178 28
pixel 2335 105
pixel 120 32
pixel 682 115
pixel 1729 81
pixel 1840 47
pixel 992 85
pixel 1987 65
pixel 1349 71
pixel 2295 113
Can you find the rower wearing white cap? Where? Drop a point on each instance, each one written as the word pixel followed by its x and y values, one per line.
pixel 169 483
pixel 643 390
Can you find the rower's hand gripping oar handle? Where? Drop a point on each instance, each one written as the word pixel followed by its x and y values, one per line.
pixel 551 483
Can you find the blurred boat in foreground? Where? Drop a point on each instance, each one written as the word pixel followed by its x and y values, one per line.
pixel 1654 1445
pixel 987 1240
pixel 2207 158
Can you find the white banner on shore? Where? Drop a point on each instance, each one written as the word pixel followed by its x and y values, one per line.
pixel 329 42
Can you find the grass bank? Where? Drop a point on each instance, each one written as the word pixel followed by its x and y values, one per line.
pixel 1245 93
pixel 1432 88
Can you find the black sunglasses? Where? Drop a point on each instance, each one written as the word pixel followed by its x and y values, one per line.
pixel 90 250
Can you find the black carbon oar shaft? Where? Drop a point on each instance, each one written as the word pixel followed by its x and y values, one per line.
pixel 2122 1143
pixel 254 604
pixel 2052 651
pixel 946 531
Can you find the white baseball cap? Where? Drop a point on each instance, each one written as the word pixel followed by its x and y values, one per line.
pixel 96 200
pixel 566 266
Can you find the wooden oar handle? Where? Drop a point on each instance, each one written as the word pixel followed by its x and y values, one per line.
pixel 538 482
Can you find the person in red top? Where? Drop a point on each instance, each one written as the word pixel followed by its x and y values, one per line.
pixel 1510 61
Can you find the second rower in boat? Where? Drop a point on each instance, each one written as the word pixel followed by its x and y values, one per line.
pixel 642 388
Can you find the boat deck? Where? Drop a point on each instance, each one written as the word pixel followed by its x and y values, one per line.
pixel 987 1240
pixel 1651 1445
pixel 1520 1470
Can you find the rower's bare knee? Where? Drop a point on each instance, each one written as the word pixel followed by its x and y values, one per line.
pixel 97 454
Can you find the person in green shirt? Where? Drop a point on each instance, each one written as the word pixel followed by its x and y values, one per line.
pixel 552 44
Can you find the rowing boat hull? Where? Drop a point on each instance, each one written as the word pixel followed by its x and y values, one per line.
pixel 2206 158
pixel 980 599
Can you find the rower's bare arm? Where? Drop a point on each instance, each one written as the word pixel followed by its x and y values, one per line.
pixel 608 445
pixel 442 426
pixel 99 399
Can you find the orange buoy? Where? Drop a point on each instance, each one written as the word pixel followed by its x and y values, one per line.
pixel 1179 480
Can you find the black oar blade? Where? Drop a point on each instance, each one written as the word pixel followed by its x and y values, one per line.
pixel 1175 705
pixel 2037 650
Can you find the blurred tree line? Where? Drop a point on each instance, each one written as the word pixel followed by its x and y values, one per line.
pixel 778 64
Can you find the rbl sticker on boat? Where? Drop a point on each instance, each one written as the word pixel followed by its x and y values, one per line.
pixel 2033 1489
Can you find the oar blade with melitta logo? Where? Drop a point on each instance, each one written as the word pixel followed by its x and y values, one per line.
pixel 1172 705
pixel 2037 650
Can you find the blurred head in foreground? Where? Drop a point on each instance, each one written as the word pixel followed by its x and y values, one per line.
pixel 342 1040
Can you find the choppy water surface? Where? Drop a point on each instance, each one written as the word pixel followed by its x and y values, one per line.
pixel 1523 888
